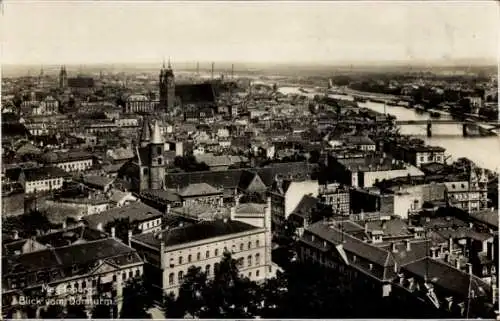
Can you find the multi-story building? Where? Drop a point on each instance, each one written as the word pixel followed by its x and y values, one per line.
pixel 139 104
pixel 142 217
pixel 71 161
pixel 402 269
pixel 172 252
pixel 337 196
pixel 367 171
pixel 286 195
pixel 42 179
pixel 201 193
pixel 65 265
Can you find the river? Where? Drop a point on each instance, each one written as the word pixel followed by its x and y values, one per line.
pixel 484 151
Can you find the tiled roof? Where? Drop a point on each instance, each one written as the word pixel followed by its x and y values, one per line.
pixel 41 173
pixel 66 256
pixel 196 232
pixel 447 277
pixel 250 208
pixel 96 180
pixel 136 211
pixel 198 189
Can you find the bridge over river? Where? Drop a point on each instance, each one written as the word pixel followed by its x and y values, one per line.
pixel 485 126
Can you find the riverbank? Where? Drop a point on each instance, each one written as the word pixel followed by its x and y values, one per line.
pixel 483 151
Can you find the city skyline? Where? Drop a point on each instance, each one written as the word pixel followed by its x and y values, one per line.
pixel 249 32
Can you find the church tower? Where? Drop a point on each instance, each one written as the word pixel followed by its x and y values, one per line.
pixel 145 134
pixel 156 158
pixel 167 88
pixel 63 78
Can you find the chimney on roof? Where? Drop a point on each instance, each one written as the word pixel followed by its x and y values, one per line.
pixel 113 231
pixel 458 264
pixel 169 207
pixel 15 235
pixel 129 238
pixel 450 245
pixel 394 247
pixel 408 245
pixel 366 227
pixel 469 268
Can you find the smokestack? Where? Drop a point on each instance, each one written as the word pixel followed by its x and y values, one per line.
pixel 113 231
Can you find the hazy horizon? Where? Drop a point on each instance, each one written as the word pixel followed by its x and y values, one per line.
pixel 250 33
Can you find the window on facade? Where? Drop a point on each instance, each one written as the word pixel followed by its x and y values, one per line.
pixel 160 161
pixel 249 274
pixel 137 272
pixel 189 258
pixel 240 262
pixel 68 287
pixel 75 285
pixel 198 256
pixel 249 260
pixel 180 276
pixel 144 171
pixel 114 278
pixel 216 252
pixel 130 274
pixel 257 273
pixel 207 269
pixel 84 285
pixel 257 243
pixel 257 258
pixel 171 279
pixel 207 254
pixel 249 245
pixel 124 276
pixel 94 282
pixel 241 247
pixel 180 259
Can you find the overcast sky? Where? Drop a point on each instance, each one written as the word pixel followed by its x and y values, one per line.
pixel 42 32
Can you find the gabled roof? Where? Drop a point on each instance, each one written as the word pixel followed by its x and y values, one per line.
pixel 250 208
pixel 199 189
pixel 135 212
pixel 447 277
pixel 66 256
pixel 251 182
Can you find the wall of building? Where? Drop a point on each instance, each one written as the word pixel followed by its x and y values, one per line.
pixel 178 259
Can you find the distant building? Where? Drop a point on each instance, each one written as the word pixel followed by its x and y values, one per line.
pixel 63 78
pixel 167 88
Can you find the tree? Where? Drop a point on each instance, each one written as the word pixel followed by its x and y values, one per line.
pixel 227 295
pixel 53 312
pixel 76 312
pixel 136 300
pixel 192 294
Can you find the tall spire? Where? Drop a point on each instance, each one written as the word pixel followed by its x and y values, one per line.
pixel 169 65
pixel 163 66
pixel 145 133
pixel 156 137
